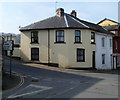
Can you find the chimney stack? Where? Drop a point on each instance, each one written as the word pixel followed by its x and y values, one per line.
pixel 74 13
pixel 60 12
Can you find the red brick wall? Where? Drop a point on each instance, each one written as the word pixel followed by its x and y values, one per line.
pixel 116 49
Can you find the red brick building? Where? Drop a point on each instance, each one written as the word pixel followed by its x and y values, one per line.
pixel 116 44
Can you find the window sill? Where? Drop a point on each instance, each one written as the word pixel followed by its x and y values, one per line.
pixel 80 61
pixel 77 42
pixel 35 60
pixel 60 42
pixel 103 47
pixel 34 43
pixel 93 43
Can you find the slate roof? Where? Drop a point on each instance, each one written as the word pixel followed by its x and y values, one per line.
pixel 66 21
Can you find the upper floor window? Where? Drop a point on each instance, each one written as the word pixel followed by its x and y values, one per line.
pixel 60 36
pixel 77 36
pixel 103 42
pixel 92 37
pixel 119 33
pixel 34 37
pixel 80 55
pixel 110 43
pixel 116 44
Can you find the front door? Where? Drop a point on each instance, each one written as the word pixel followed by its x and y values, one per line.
pixel 114 62
pixel 93 60
pixel 35 54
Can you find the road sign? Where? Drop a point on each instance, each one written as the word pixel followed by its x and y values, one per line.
pixel 8 45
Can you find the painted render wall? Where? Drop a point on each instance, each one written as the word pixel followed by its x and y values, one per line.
pixel 42 45
pixel 62 53
pixel 65 54
pixel 107 50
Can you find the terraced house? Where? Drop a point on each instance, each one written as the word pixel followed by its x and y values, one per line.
pixel 63 39
pixel 113 27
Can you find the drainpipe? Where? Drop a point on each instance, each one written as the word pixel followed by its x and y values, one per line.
pixel 48 47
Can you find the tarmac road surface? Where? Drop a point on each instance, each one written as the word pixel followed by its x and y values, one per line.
pixel 45 82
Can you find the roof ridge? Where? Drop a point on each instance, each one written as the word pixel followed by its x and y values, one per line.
pixel 66 22
pixel 109 20
pixel 45 19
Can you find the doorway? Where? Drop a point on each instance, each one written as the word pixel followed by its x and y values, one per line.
pixel 93 60
pixel 35 54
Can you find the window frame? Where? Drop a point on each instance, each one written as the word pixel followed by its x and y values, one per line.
pixel 35 54
pixel 34 37
pixel 110 43
pixel 116 44
pixel 78 55
pixel 60 36
pixel 103 41
pixel 93 38
pixel 77 37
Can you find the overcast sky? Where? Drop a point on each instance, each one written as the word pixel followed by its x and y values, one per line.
pixel 15 14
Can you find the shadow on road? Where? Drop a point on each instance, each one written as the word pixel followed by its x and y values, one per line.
pixel 65 85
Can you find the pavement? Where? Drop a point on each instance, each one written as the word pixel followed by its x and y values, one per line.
pixel 10 82
pixel 41 81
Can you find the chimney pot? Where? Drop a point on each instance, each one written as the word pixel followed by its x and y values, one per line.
pixel 74 13
pixel 60 12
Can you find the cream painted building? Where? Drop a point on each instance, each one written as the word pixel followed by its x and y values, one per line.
pixel 62 39
pixel 107 22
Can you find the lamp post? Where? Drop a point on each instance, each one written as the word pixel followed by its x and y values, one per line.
pixel 10 57
pixel 3 39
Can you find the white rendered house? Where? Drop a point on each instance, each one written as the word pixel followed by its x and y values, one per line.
pixel 103 51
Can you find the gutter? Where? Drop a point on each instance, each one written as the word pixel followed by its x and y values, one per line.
pixel 100 33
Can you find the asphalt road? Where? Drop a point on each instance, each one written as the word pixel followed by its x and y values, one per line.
pixel 46 83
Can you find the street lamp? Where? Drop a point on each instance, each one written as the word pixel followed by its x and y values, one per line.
pixel 3 39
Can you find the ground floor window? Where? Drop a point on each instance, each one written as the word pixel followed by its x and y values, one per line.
pixel 103 58
pixel 34 53
pixel 80 55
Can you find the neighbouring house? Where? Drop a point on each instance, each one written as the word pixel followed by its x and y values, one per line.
pixel 103 51
pixel 16 39
pixel 65 40
pixel 107 22
pixel 113 27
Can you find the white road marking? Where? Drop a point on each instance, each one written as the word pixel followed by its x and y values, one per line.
pixel 39 89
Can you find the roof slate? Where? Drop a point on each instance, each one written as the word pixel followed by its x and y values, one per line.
pixel 63 22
